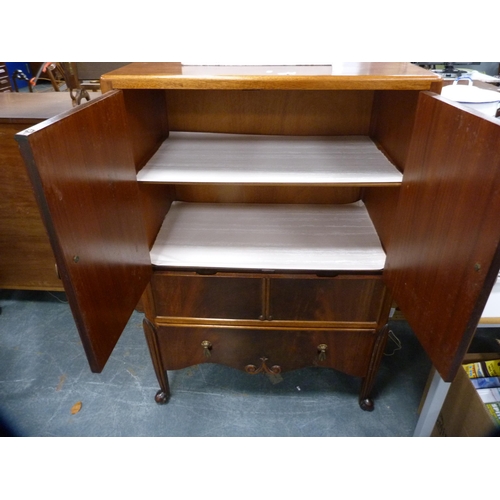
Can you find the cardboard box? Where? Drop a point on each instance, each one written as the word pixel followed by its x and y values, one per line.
pixel 463 413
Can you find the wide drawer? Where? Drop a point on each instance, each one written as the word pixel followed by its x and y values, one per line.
pixel 271 351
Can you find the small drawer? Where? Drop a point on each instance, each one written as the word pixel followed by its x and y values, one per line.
pixel 267 351
pixel 190 295
pixel 343 298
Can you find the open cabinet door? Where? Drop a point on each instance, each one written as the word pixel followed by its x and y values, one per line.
pixel 443 255
pixel 83 173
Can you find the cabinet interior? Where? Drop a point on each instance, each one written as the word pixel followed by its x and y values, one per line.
pixel 270 147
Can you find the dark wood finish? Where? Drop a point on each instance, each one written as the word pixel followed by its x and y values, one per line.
pixel 442 249
pixel 286 112
pixel 88 196
pixel 147 121
pixel 163 395
pixel 444 252
pixel 239 193
pixel 346 298
pixel 27 261
pixel 349 351
pixel 392 123
pixel 219 296
pixel 302 300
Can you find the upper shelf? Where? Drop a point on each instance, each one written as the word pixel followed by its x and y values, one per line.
pixel 338 76
pixel 194 157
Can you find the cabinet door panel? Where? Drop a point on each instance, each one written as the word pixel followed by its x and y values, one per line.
pixel 82 169
pixel 444 254
pixel 349 351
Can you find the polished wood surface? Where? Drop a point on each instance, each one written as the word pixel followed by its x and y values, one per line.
pixel 362 76
pixel 26 257
pixel 241 318
pixel 444 253
pixel 298 300
pixel 17 107
pixel 277 112
pixel 349 351
pixel 88 196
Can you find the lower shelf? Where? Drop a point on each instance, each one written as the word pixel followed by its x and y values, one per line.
pixel 268 237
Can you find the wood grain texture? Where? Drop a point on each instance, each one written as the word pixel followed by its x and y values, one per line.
pixel 392 123
pixel 147 122
pixel 343 298
pixel 26 261
pixel 276 112
pixel 444 253
pixel 349 351
pixel 26 257
pixel 82 167
pixel 240 193
pixel 362 76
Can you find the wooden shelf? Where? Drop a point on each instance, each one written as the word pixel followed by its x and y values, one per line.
pixel 193 157
pixel 268 237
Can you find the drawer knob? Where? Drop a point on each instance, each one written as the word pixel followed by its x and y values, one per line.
pixel 207 346
pixel 322 348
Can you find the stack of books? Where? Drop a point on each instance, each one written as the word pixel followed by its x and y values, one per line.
pixel 485 377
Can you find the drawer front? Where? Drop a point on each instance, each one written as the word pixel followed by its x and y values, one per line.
pixel 343 298
pixel 195 296
pixel 267 351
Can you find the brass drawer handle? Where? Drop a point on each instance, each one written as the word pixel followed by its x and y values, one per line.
pixel 253 370
pixel 322 348
pixel 207 346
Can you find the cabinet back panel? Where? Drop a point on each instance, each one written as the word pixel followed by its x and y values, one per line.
pixel 296 112
pixel 239 193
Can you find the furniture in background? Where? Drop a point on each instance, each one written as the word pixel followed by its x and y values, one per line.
pixel 26 258
pixel 268 215
pixel 4 79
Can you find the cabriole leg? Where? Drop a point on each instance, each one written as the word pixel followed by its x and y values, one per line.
pixel 365 401
pixel 163 395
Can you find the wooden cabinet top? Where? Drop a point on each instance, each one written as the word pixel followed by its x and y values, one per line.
pixel 346 76
pixel 19 107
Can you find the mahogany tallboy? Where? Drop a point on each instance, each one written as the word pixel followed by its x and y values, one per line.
pixel 268 217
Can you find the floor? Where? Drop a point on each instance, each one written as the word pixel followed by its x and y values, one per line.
pixel 44 376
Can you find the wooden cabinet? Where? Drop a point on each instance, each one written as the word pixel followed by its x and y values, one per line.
pixel 268 220
pixel 26 257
